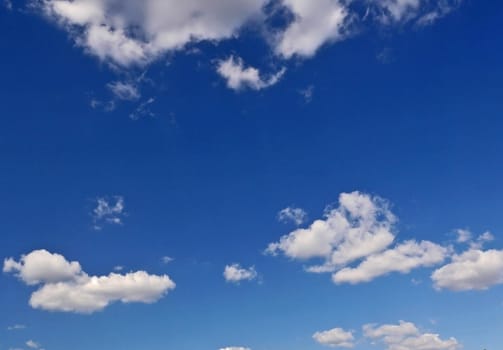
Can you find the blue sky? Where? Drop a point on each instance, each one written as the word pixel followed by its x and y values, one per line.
pixel 283 175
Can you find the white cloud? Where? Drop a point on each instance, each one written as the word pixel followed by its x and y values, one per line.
pixel 239 77
pixel 126 91
pixel 40 266
pixel 361 225
pixel 474 269
pixel 137 32
pixel 463 235
pixel 422 12
pixel 16 327
pixel 360 229
pixel 402 258
pixel 336 338
pixel 129 32
pixel 108 211
pixel 295 215
pixel 235 348
pixel 64 286
pixel 315 23
pixel 235 273
pixel 406 336
pixel 32 344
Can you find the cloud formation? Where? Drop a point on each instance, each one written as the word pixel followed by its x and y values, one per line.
pixel 134 33
pixel 474 269
pixel 295 215
pixel 239 77
pixel 402 258
pixel 137 32
pixel 406 336
pixel 108 210
pixel 360 228
pixel 235 273
pixel 124 90
pixel 65 287
pixel 336 338
pixel 361 225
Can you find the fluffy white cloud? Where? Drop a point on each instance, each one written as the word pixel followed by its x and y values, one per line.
pixel 361 225
pixel 406 336
pixel 235 348
pixel 108 211
pixel 235 273
pixel 360 229
pixel 40 266
pixel 472 270
pixel 295 215
pixel 65 287
pixel 130 32
pixel 403 258
pixel 239 77
pixel 336 338
pixel 315 23
pixel 136 32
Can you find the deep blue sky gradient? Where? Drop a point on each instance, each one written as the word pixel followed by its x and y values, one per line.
pixel 204 179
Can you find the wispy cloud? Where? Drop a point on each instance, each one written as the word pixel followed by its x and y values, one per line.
pixel 108 210
pixel 290 214
pixel 16 327
pixel 239 77
pixel 126 91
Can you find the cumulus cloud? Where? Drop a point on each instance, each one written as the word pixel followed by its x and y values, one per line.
pixel 360 229
pixel 336 338
pixel 235 273
pixel 314 24
pixel 406 336
pixel 361 225
pixel 64 286
pixel 402 258
pixel 130 33
pixel 235 348
pixel 40 266
pixel 474 269
pixel 136 32
pixel 108 210
pixel 295 215
pixel 239 77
